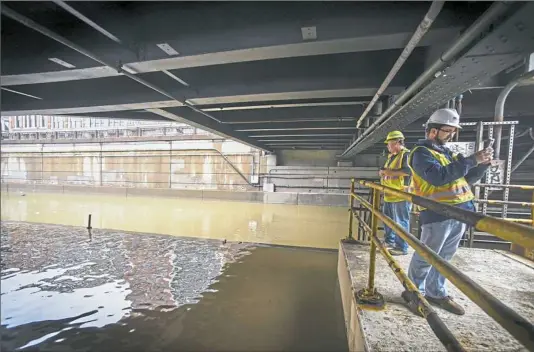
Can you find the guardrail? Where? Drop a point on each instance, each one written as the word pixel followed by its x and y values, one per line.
pixel 514 323
pixel 522 204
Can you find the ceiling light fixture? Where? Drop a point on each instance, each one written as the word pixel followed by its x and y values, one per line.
pixel 176 78
pixel 129 70
pixel 168 49
pixel 17 92
pixel 61 62
pixel 309 33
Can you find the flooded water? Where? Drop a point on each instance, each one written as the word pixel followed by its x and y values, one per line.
pixel 63 290
pixel 306 226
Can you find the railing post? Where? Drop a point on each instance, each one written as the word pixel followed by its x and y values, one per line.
pixel 372 259
pixel 369 296
pixel 351 205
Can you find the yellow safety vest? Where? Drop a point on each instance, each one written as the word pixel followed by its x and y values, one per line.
pixel 394 162
pixel 455 192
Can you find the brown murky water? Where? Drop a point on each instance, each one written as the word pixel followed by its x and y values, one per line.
pixel 62 291
pixel 306 226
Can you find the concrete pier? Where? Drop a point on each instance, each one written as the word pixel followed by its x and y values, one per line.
pixel 508 277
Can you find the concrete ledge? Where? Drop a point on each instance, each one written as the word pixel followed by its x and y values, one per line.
pixel 34 188
pixel 395 328
pixel 336 200
pixel 280 198
pixel 233 195
pixel 351 312
pixel 94 189
pixel 290 198
pixel 152 192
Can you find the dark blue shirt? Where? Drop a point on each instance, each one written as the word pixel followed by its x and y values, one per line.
pixel 428 167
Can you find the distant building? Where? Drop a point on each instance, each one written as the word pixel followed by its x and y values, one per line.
pixel 30 127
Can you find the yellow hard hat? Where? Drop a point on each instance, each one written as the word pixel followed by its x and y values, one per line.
pixel 394 135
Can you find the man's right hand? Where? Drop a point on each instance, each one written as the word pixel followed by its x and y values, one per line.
pixel 484 156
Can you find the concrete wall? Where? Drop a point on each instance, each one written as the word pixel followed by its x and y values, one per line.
pixel 156 164
pixel 317 179
pixel 307 157
pixel 180 165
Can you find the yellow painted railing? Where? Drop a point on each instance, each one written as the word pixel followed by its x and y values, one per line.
pixel 515 324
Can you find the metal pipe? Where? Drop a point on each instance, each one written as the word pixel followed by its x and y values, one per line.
pixel 491 201
pixel 372 260
pixel 516 233
pixel 421 30
pixel 351 205
pixel 514 323
pixel 37 27
pixel 499 108
pixel 526 187
pixel 496 10
pixel 524 221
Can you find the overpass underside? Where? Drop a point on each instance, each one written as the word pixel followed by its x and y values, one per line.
pixel 318 76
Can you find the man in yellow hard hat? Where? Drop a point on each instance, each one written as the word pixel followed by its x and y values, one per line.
pixel 443 176
pixel 396 174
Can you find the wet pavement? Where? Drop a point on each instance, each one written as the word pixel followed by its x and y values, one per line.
pixel 65 291
pixel 304 226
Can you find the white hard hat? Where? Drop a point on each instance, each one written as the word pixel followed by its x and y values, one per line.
pixel 447 117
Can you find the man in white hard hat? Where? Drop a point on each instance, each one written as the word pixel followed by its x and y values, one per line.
pixel 396 174
pixel 444 176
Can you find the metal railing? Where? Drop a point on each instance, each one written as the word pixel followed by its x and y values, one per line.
pixel 522 204
pixel 103 133
pixel 515 324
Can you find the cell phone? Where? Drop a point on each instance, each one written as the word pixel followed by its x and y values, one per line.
pixel 489 143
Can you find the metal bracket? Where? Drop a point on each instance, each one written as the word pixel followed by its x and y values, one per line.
pixel 486 189
pixel 508 171
pixel 370 300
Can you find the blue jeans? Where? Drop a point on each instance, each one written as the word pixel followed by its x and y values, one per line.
pixel 443 238
pixel 400 213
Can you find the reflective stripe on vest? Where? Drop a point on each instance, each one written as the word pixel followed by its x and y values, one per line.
pixel 455 192
pixel 396 182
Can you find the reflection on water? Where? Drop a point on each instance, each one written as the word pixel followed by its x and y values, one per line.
pixel 307 226
pixel 141 292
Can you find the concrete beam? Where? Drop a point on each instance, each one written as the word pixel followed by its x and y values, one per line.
pixel 296 126
pixel 308 134
pixel 290 114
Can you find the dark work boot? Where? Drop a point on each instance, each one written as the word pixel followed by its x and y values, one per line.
pixel 448 304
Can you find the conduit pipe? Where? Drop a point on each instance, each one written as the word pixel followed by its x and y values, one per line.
pixel 499 107
pixel 421 30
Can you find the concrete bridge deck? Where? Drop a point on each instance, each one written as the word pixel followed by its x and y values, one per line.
pixel 508 277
